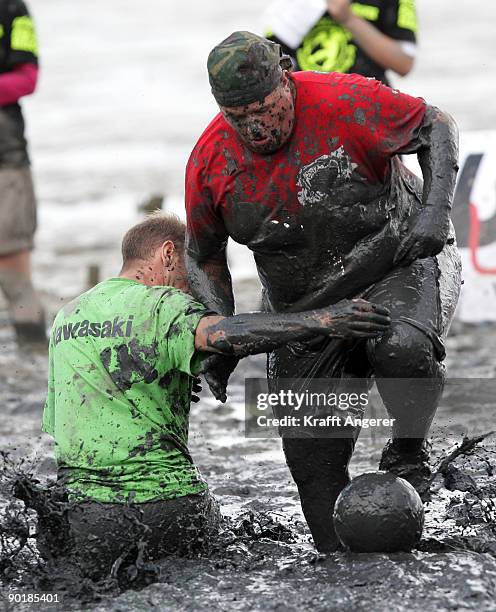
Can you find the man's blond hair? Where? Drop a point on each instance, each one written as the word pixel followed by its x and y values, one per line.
pixel 142 240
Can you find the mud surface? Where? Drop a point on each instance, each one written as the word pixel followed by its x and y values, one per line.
pixel 265 559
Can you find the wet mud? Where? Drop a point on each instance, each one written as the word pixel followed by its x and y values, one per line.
pixel 264 558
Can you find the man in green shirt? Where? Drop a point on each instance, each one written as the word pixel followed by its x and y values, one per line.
pixel 123 357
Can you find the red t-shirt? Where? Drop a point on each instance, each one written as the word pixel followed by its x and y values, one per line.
pixel 347 129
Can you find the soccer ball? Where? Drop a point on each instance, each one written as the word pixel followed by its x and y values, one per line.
pixel 379 512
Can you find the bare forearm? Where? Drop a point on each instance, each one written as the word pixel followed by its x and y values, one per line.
pixel 210 283
pixel 383 49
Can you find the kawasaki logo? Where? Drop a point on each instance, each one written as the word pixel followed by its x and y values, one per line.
pixel 118 328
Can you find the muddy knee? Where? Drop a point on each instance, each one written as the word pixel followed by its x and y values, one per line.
pixel 404 352
pixel 410 380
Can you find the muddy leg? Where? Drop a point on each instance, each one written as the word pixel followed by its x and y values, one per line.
pixel 319 467
pixel 410 379
pixel 408 356
pixel 407 360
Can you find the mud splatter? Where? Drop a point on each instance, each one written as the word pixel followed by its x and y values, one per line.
pixel 133 363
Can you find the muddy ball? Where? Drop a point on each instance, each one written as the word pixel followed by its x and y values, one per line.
pixel 378 512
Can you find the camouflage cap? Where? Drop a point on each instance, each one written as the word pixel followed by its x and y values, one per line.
pixel 244 68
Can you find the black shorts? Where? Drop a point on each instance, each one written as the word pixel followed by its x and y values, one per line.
pixel 103 536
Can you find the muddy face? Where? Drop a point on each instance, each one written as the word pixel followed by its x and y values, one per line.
pixel 264 126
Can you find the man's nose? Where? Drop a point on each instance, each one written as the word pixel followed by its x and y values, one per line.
pixel 255 129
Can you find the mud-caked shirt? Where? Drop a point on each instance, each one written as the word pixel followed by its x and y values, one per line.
pixel 18 45
pixel 122 358
pixel 303 209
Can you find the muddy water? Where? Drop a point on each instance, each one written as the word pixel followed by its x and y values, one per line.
pixel 95 157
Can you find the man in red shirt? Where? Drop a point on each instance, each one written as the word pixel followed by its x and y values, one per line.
pixel 303 168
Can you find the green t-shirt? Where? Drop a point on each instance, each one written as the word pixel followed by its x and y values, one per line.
pixel 122 356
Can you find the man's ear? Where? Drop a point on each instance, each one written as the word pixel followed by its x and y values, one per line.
pixel 167 252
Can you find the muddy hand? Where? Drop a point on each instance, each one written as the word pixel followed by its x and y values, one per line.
pixel 426 238
pixel 358 319
pixel 217 369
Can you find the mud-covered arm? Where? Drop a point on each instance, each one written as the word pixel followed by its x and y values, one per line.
pixel 437 151
pixel 402 124
pixel 210 280
pixel 436 145
pixel 206 236
pixel 252 333
pixel 210 283
pixel 206 262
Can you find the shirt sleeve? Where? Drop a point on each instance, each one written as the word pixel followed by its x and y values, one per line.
pixel 399 20
pixel 396 119
pixel 23 40
pixel 19 82
pixel 206 232
pixel 178 317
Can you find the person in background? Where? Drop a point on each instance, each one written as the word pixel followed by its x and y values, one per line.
pixel 18 78
pixel 366 38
